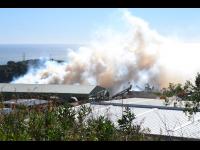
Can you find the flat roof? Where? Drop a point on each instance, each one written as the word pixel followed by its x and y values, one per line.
pixel 46 88
pixel 147 103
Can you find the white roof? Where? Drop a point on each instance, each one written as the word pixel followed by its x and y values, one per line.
pixel 160 121
pixel 46 88
pixel 147 103
pixel 26 102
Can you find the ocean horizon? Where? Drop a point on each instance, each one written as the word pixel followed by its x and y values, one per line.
pixel 19 52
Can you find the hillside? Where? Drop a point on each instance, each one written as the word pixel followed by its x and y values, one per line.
pixel 15 69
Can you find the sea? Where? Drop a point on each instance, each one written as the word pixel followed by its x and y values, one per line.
pixel 19 52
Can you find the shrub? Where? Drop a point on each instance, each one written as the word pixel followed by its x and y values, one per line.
pixel 65 123
pixel 129 130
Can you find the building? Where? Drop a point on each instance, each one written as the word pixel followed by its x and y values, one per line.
pixel 167 122
pixel 141 94
pixel 47 91
pixel 25 102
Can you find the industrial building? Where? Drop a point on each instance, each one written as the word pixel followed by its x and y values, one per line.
pixel 164 121
pixel 46 91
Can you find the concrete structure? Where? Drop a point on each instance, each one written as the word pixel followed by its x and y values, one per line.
pixel 45 91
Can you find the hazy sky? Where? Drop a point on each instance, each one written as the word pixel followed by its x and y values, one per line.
pixel 74 25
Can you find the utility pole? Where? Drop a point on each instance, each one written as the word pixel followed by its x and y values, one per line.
pixel 23 56
pixel 50 57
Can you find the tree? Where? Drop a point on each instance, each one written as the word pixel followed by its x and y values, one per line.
pixel 176 90
pixel 189 92
pixel 197 80
pixel 193 96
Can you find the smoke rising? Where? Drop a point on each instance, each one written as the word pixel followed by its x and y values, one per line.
pixel 112 59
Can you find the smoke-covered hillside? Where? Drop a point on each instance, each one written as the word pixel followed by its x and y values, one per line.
pixel 12 70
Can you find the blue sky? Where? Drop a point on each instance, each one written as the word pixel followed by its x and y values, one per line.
pixel 74 25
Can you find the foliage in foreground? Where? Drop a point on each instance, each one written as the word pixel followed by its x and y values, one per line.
pixel 66 123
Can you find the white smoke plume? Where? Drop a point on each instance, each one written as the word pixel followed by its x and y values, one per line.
pixel 112 59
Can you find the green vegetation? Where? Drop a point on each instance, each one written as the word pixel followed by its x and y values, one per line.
pixel 188 92
pixel 173 90
pixel 13 69
pixel 65 123
pixel 16 69
pixel 129 130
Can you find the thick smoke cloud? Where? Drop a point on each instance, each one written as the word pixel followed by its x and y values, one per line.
pixel 113 58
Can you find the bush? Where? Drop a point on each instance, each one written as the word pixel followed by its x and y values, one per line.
pixel 127 129
pixel 100 129
pixel 65 123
